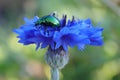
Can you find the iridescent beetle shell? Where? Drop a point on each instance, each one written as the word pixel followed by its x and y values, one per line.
pixel 49 20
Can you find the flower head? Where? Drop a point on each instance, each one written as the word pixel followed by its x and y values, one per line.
pixel 55 33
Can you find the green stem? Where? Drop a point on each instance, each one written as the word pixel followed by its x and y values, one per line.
pixel 54 74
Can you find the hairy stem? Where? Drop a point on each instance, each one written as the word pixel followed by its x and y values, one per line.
pixel 54 74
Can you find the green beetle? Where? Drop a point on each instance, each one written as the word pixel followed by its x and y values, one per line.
pixel 48 21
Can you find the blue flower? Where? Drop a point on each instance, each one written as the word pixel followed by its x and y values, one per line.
pixel 70 33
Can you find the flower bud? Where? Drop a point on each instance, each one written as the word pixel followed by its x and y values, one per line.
pixel 57 58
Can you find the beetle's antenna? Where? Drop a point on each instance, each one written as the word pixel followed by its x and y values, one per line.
pixel 54 14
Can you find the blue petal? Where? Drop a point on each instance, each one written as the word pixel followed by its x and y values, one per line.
pixel 88 21
pixel 65 47
pixel 31 21
pixel 97 34
pixel 58 44
pixel 35 39
pixel 35 19
pixel 56 36
pixel 65 30
pixel 44 45
pixel 52 45
pixel 27 21
pixel 97 43
pixel 27 27
pixel 37 46
pixel 85 41
pixel 81 46
pixel 18 31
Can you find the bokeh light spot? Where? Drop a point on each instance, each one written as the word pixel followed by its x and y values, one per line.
pixel 111 48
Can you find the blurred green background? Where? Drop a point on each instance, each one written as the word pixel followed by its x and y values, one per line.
pixel 18 62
